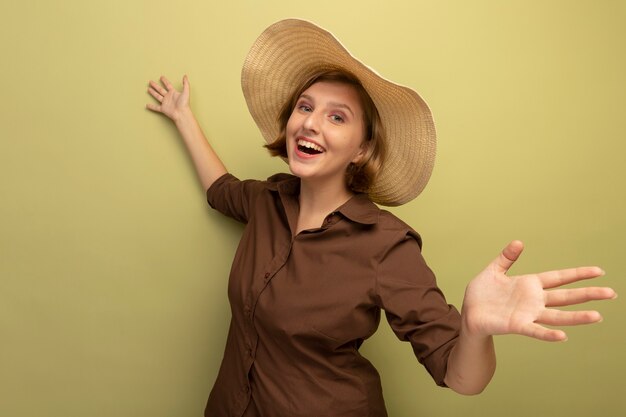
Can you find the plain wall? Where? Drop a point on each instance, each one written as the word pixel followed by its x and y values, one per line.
pixel 113 269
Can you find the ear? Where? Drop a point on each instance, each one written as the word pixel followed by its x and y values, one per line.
pixel 362 152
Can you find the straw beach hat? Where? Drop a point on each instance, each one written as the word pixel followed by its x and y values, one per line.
pixel 288 52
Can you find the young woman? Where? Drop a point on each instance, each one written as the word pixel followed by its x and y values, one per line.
pixel 318 260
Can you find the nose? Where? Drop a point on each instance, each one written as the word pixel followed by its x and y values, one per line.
pixel 311 122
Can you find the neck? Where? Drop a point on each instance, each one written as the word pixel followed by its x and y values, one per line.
pixel 322 199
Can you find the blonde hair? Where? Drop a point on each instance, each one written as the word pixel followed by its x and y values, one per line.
pixel 359 176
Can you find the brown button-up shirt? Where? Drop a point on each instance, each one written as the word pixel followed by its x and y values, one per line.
pixel 303 304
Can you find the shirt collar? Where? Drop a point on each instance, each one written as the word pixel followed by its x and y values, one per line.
pixel 359 208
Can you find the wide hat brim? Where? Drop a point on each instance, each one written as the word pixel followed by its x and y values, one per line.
pixel 290 51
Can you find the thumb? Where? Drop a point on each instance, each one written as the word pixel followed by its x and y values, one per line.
pixel 185 85
pixel 508 256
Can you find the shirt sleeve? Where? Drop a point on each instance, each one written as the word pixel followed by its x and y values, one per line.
pixel 233 197
pixel 415 307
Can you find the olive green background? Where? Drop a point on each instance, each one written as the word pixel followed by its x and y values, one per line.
pixel 113 270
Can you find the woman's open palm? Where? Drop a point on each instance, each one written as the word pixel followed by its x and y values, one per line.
pixel 498 304
pixel 171 101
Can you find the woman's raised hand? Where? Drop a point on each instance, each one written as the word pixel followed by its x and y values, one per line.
pixel 175 105
pixel 498 304
pixel 172 103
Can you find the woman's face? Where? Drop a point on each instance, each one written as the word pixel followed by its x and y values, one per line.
pixel 325 132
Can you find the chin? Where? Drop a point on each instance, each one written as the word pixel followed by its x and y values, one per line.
pixel 298 171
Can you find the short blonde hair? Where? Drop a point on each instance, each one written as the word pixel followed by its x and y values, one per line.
pixel 359 176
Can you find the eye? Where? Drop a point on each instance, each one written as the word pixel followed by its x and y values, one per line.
pixel 337 118
pixel 304 107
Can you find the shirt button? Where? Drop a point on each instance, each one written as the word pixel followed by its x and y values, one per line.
pixel 267 275
pixel 246 388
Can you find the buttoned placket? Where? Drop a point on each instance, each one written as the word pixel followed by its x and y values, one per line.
pixel 259 285
pixel 256 290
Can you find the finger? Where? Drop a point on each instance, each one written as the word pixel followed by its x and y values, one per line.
pixel 568 318
pixel 168 85
pixel 508 256
pixel 155 94
pixel 559 298
pixel 537 331
pixel 153 107
pixel 186 87
pixel 158 88
pixel 552 279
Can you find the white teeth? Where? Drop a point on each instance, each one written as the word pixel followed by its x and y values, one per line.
pixel 311 145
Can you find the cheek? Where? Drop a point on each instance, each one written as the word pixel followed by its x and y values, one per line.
pixel 290 130
pixel 291 123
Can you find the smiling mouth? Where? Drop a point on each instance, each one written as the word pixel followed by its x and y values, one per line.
pixel 309 148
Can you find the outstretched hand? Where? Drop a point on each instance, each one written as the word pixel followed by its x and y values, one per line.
pixel 171 102
pixel 498 304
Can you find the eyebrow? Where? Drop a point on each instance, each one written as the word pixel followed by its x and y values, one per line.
pixel 331 103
